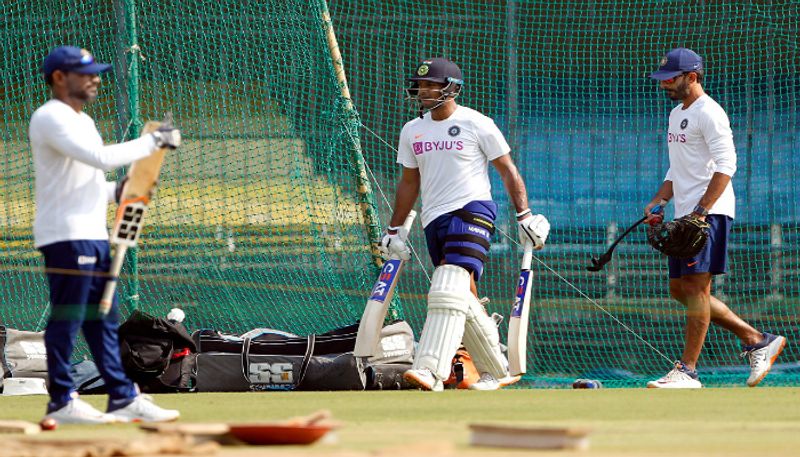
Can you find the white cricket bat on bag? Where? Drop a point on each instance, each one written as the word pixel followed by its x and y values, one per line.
pixel 129 221
pixel 518 323
pixel 369 329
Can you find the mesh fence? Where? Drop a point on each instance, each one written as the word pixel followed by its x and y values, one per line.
pixel 263 217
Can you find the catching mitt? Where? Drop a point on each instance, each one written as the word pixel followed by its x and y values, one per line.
pixel 682 238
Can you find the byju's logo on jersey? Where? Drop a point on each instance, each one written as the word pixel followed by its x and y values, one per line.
pixel 684 123
pixel 676 137
pixel 454 130
pixel 421 147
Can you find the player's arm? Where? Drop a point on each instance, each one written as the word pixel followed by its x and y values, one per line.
pixel 60 137
pixel 405 196
pixel 719 138
pixel 715 189
pixel 512 181
pixel 663 195
pixel 533 228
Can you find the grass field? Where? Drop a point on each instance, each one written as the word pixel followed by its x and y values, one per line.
pixel 625 422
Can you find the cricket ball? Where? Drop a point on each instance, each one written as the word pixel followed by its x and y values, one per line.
pixel 48 423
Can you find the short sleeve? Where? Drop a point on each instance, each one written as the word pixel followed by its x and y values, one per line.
pixel 405 155
pixel 491 139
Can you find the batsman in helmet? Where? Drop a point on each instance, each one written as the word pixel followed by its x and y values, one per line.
pixel 445 153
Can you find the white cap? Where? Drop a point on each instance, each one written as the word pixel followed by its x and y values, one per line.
pixel 24 386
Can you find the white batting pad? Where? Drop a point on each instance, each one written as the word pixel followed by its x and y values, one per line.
pixel 444 326
pixel 482 341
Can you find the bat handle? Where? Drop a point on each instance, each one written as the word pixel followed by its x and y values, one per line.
pixel 111 285
pixel 527 255
pixel 409 220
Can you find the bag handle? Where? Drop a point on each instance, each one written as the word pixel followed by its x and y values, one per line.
pixel 311 341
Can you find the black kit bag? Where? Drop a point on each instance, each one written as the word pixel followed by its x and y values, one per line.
pixel 267 359
pixel 158 354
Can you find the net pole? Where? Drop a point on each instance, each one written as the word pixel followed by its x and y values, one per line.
pixel 134 130
pixel 363 187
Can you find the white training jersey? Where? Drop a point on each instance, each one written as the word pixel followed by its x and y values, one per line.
pixel 453 158
pixel 69 161
pixel 700 143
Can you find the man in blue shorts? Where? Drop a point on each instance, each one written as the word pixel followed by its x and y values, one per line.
pixel 702 161
pixel 445 154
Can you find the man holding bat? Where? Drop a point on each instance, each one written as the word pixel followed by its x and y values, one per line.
pixel 70 230
pixel 445 155
pixel 702 160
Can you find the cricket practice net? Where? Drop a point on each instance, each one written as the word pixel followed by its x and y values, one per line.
pixel 264 218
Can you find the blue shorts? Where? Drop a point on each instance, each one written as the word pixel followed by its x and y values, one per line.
pixel 463 240
pixel 714 256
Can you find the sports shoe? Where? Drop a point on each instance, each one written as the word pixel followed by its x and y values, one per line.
pixel 486 382
pixel 762 356
pixel 78 411
pixel 679 378
pixel 424 379
pixel 142 409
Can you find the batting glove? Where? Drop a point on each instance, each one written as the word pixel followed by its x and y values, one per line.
pixel 167 136
pixel 394 244
pixel 534 229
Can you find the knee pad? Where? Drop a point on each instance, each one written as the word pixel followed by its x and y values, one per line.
pixel 468 239
pixel 482 341
pixel 444 325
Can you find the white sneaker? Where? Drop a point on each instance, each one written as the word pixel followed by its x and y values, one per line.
pixel 486 382
pixel 142 409
pixel 761 359
pixel 424 379
pixel 679 378
pixel 78 411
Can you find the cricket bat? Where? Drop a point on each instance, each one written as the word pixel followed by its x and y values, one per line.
pixel 129 221
pixel 518 323
pixel 369 329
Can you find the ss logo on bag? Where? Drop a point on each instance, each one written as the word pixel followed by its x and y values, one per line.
pixel 271 373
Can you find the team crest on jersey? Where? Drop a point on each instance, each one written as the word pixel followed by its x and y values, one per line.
pixel 423 70
pixel 684 123
pixel 454 130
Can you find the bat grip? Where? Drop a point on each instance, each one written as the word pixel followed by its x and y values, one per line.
pixel 409 220
pixel 527 255
pixel 111 285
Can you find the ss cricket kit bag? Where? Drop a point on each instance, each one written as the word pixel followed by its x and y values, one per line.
pixel 268 359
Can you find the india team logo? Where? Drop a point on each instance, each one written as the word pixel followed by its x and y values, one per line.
pixel 423 70
pixel 454 130
pixel 684 123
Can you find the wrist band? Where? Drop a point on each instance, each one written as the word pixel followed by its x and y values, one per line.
pixel 524 212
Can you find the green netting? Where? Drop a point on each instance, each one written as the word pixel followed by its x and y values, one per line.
pixel 262 219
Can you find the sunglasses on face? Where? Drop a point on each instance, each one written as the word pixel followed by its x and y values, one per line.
pixel 675 78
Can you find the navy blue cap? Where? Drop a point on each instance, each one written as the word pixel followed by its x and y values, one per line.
pixel 677 62
pixel 438 70
pixel 74 59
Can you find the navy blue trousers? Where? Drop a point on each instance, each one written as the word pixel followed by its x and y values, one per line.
pixel 77 273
